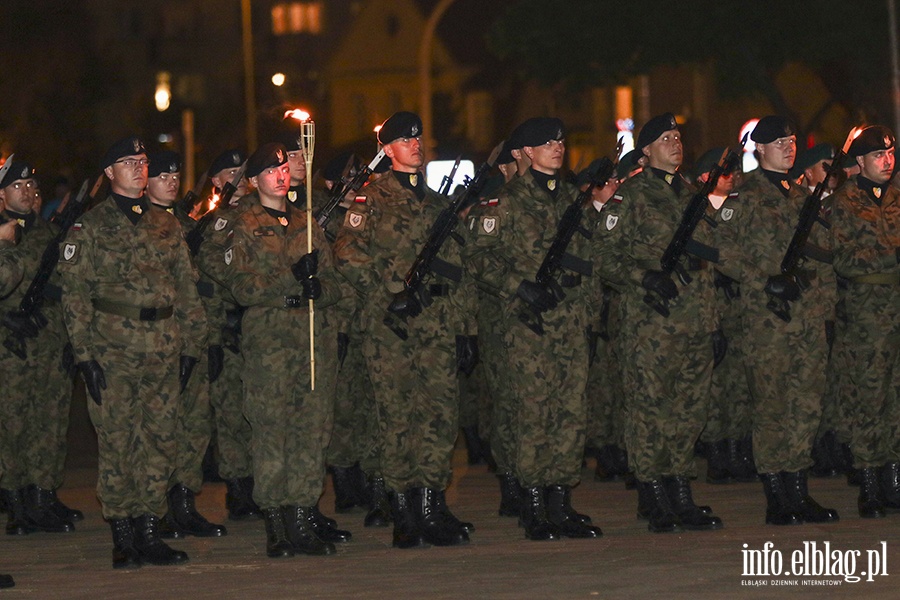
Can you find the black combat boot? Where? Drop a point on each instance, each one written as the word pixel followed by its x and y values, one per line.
pixel 692 517
pixel 779 509
pixel 323 528
pixel 534 516
pixel 150 546
pixel 39 511
pixel 561 514
pixel 890 486
pixel 124 554
pixel 379 514
pixel 239 499
pixel 740 460
pixel 6 581
pixel 442 507
pixel 345 493
pixel 277 543
pixel 810 511
pixel 15 513
pixel 168 530
pixel 654 505
pixel 871 502
pixel 717 463
pixel 62 511
pixel 297 521
pixel 510 495
pixel 436 528
pixel 183 512
pixel 407 533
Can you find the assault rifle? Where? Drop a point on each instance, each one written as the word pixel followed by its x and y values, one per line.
pixel 342 188
pixel 416 294
pixel 26 320
pixel 557 257
pixel 195 237
pixel 682 242
pixel 186 204
pixel 799 248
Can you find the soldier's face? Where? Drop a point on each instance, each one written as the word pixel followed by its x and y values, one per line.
pixel 601 194
pixel 877 166
pixel 298 166
pixel 406 154
pixel 163 189
pixel 227 176
pixel 274 182
pixel 547 158
pixel 815 174
pixel 666 152
pixel 128 175
pixel 19 196
pixel 778 155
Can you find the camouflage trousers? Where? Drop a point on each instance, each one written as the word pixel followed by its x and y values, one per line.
pixel 786 369
pixel 34 411
pixel 290 423
pixel 871 385
pixel 232 430
pixel 604 397
pixel 666 376
pixel 834 405
pixel 730 407
pixel 416 397
pixel 194 428
pixel 136 426
pixel 495 365
pixel 547 376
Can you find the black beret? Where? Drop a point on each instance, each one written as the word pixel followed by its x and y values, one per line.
pixel 334 170
pixel 266 156
pixel 19 169
pixel 770 128
pixel 505 157
pixel 539 130
pixel 130 146
pixel 290 140
pixel 707 161
pixel 400 125
pixel 654 128
pixel 871 139
pixel 628 163
pixel 227 160
pixel 813 155
pixel 164 161
pixel 514 141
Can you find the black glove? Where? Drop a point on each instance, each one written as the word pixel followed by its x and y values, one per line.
pixel 466 353
pixel 719 346
pixel 19 323
pixel 536 295
pixel 343 346
pixel 405 304
pixel 215 362
pixel 185 368
pixel 68 360
pixel 829 334
pixel 307 266
pixel 660 283
pixel 783 287
pixel 93 377
pixel 312 288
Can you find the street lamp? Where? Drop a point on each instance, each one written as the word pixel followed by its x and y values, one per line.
pixel 163 95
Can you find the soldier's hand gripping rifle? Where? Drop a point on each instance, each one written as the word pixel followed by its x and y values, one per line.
pixel 786 287
pixel 557 257
pixel 26 320
pixel 342 188
pixel 195 237
pixel 415 295
pixel 682 243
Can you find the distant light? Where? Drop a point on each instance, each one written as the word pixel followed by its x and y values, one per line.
pixel 627 142
pixel 278 79
pixel 437 169
pixel 164 138
pixel 298 114
pixel 163 95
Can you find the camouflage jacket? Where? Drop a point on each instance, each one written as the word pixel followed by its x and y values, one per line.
pixel 105 257
pixel 27 257
pixel 754 231
pixel 380 238
pixel 10 268
pixel 635 227
pixel 866 236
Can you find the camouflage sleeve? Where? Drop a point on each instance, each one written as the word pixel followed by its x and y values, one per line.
pixel 10 268
pixel 189 312
pixel 249 272
pixel 499 262
pixel 352 253
pixel 735 229
pixel 609 262
pixel 77 279
pixel 858 250
pixel 332 283
pixel 626 235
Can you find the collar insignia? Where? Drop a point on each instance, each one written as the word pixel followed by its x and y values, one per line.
pixel 292 195
pixel 551 184
pixel 414 179
pixel 137 209
pixel 21 222
pixel 283 221
pixel 877 192
pixel 785 184
pixel 669 178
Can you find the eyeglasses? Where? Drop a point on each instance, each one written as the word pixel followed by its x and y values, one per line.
pixel 131 163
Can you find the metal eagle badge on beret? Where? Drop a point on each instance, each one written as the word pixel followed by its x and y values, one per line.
pixel 220 224
pixel 138 146
pixel 611 221
pixel 235 158
pixel 727 214
pixel 279 155
pixel 26 172
pixel 414 132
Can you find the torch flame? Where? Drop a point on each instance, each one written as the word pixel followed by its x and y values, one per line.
pixel 298 114
pixel 854 133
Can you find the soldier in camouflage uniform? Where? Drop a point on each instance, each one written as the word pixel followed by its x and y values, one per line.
pixel 137 327
pixel 194 427
pixel 10 267
pixel 785 355
pixel 34 412
pixel 665 342
pixel 865 225
pixel 547 372
pixel 414 379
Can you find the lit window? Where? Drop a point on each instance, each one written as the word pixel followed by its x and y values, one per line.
pixel 297 17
